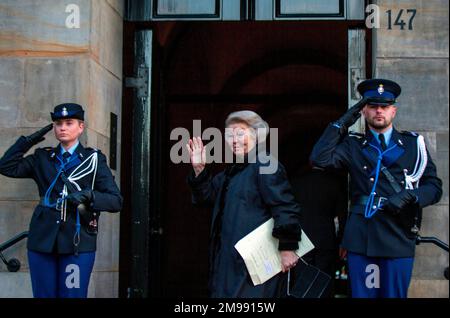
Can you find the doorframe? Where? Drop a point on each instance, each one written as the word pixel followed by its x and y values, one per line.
pixel 153 287
pixel 135 266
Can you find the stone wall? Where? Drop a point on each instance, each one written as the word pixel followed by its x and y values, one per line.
pixel 44 63
pixel 418 60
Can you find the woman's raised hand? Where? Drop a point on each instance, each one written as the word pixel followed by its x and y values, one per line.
pixel 197 152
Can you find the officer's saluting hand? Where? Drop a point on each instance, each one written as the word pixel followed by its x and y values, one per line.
pixel 38 136
pixel 350 117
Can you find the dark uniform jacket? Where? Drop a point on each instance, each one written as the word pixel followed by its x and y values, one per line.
pixel 243 199
pixel 47 233
pixel 382 235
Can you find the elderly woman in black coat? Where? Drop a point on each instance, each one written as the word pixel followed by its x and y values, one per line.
pixel 243 198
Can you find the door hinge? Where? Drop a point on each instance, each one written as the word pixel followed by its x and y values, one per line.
pixel 140 82
pixel 156 231
pixel 356 77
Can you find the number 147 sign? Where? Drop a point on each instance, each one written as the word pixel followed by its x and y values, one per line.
pixel 400 19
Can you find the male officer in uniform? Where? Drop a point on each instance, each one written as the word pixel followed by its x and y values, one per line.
pixel 75 185
pixel 392 179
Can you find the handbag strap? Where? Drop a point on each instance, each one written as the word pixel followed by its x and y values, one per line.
pixel 288 291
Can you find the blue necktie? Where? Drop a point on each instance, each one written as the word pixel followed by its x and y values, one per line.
pixel 382 142
pixel 66 156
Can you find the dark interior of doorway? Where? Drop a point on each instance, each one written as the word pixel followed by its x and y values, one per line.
pixel 294 74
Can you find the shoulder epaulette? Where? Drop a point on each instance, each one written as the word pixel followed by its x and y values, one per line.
pixel 355 134
pixel 47 148
pixel 409 133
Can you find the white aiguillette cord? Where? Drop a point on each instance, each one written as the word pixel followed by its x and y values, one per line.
pixel 79 173
pixel 419 168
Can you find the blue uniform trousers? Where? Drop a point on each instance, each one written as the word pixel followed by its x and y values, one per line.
pixel 379 277
pixel 60 275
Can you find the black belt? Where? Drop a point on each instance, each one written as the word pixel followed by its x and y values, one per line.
pixel 362 200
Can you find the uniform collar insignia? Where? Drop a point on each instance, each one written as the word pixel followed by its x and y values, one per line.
pixel 364 142
pixel 81 151
pixel 367 138
pixel 397 138
pixel 52 152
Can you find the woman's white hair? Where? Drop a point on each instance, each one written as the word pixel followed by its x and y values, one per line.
pixel 252 119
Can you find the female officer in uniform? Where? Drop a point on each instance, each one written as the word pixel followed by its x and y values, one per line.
pixel 75 185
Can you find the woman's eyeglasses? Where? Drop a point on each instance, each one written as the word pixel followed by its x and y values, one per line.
pixel 239 133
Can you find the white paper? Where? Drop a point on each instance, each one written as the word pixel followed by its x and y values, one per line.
pixel 259 249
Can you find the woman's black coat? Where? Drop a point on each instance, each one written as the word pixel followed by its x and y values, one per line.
pixel 242 199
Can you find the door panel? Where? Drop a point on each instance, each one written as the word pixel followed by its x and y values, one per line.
pixel 293 74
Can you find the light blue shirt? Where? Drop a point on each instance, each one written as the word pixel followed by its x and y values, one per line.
pixel 387 135
pixel 71 149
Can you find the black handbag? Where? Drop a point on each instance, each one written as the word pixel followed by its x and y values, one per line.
pixel 306 281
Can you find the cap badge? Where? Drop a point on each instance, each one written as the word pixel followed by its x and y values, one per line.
pixel 64 112
pixel 380 89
